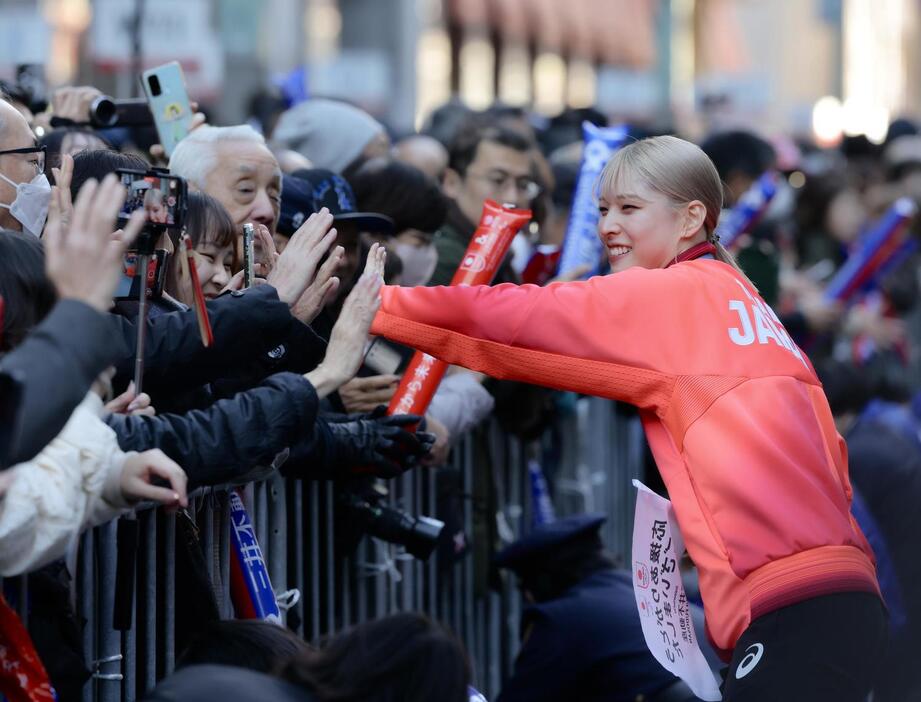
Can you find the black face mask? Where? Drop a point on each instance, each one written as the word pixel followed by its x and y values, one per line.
pixel 129 286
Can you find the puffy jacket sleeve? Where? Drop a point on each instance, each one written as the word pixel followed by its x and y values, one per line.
pixel 229 438
pixel 72 484
pixel 615 336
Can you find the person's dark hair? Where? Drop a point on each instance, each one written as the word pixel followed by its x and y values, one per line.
pixel 445 121
pixel 565 179
pixel 99 163
pixel 53 141
pixel 400 191
pixel 28 294
pixel 207 221
pixel 566 127
pixel 500 111
pixel 901 126
pixel 859 147
pixel 813 201
pixel 511 116
pixel 846 387
pixel 815 197
pixel 255 645
pixel 886 377
pixel 266 105
pixel 739 152
pixel 463 149
pixel 400 658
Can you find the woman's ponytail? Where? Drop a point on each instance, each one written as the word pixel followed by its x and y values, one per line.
pixel 723 254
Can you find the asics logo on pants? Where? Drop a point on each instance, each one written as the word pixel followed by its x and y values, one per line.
pixel 750 661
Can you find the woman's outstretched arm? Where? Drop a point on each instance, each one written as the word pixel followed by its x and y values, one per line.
pixel 611 336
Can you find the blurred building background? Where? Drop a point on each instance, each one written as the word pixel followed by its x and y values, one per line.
pixel 806 67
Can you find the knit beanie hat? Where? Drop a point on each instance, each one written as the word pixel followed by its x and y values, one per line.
pixel 331 134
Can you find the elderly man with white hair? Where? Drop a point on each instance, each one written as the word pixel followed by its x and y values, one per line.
pixel 234 166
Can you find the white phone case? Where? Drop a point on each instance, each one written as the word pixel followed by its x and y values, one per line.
pixel 170 108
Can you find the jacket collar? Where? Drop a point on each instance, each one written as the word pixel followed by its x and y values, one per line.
pixel 457 222
pixel 702 249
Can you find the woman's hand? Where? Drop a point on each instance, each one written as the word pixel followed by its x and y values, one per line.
pixel 139 472
pixel 321 291
pixel 365 394
pixel 73 102
pixel 347 341
pixel 236 283
pixel 63 177
pixel 82 257
pixel 266 254
pixel 294 270
pixel 438 456
pixel 129 402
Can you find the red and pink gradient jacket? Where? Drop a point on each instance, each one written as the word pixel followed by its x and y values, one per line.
pixel 733 411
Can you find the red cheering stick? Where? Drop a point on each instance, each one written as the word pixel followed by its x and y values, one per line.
pixel 487 250
pixel 190 272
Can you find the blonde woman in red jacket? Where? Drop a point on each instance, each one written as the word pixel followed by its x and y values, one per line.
pixel 733 411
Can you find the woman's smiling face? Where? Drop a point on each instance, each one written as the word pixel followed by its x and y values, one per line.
pixel 638 225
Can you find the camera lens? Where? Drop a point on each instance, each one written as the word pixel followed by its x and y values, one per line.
pixel 424 536
pixel 103 112
pixel 418 535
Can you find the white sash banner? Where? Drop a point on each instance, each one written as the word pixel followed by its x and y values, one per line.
pixel 660 598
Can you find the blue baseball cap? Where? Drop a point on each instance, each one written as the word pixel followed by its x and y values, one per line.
pixel 308 190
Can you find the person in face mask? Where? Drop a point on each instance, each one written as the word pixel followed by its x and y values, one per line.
pixel 418 208
pixel 24 190
pixel 416 205
pixel 418 254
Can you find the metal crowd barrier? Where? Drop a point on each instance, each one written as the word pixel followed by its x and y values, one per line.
pixel 601 452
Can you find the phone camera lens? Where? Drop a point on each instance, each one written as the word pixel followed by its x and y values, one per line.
pixel 154 84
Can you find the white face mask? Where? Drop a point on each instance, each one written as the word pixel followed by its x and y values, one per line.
pixel 418 263
pixel 30 207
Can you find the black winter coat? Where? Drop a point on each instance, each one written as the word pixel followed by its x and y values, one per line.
pixel 255 335
pixel 224 441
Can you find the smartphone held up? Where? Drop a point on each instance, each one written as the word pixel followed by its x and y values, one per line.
pixel 169 104
pixel 162 198
pixel 160 195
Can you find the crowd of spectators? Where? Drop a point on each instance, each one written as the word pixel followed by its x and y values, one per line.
pixel 340 206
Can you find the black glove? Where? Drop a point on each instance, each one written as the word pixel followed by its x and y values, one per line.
pixel 378 445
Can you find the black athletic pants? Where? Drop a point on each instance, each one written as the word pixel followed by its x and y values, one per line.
pixel 824 649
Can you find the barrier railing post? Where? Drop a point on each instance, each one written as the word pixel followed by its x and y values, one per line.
pixel 169 595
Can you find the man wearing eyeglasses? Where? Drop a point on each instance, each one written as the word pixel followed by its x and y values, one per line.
pixel 24 189
pixel 489 162
pixel 486 162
